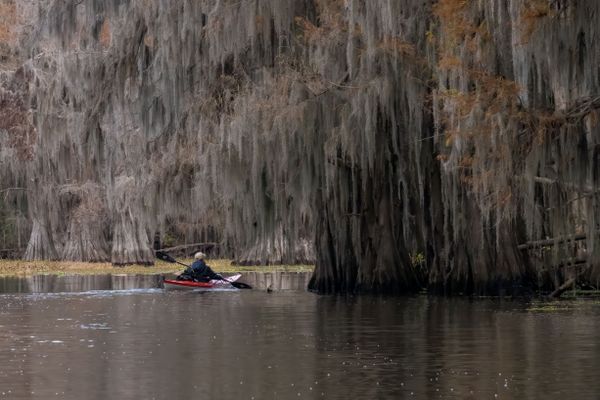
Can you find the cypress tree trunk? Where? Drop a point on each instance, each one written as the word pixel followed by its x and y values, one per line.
pixel 41 244
pixel 130 242
pixel 278 250
pixel 86 239
pixel 131 233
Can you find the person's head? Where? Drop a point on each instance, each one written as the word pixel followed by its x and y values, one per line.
pixel 199 255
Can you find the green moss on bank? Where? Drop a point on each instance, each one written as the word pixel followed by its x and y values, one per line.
pixel 19 268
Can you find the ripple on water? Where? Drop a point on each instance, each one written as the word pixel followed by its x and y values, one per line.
pixel 258 344
pixel 96 326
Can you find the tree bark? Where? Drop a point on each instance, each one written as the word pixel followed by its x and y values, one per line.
pixel 85 239
pixel 85 242
pixel 131 243
pixel 277 251
pixel 41 244
pixel 132 236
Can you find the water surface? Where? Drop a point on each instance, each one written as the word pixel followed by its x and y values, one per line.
pixel 250 344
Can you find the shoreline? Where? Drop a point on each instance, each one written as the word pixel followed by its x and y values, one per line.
pixel 21 268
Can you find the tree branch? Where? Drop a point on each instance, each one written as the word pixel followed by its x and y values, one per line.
pixel 550 242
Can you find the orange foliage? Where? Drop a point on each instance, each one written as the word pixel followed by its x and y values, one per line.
pixel 489 93
pixel 330 25
pixel 451 11
pixel 8 16
pixel 15 120
pixel 453 16
pixel 478 104
pixel 449 62
pixel 259 20
pixel 105 34
pixel 395 45
pixel 149 41
pixel 532 12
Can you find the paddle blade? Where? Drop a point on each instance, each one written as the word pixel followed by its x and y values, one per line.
pixel 240 285
pixel 165 257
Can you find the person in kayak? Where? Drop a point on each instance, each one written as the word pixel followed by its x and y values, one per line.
pixel 199 271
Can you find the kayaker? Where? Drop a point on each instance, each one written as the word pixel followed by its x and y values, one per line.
pixel 199 271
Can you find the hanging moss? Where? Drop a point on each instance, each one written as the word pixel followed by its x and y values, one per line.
pixel 360 133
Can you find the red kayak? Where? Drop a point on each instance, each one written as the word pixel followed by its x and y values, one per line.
pixel 188 285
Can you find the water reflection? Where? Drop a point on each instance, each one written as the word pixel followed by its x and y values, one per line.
pixel 248 344
pixel 77 283
pixel 278 280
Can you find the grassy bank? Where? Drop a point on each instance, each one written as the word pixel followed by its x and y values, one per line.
pixel 19 267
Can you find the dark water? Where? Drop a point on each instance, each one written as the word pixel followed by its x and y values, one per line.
pixel 294 345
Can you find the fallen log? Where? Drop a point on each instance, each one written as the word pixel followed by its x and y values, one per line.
pixel 586 189
pixel 550 242
pixel 563 288
pixel 207 246
pixel 571 281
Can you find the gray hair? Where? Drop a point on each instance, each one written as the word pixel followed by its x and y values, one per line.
pixel 199 255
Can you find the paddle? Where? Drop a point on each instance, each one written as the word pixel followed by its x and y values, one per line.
pixel 165 257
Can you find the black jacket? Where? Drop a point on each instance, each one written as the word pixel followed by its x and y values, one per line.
pixel 202 272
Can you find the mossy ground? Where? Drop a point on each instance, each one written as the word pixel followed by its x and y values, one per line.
pixel 19 267
pixel 575 302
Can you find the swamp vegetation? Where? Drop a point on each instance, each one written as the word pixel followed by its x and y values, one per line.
pixel 28 268
pixel 451 145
